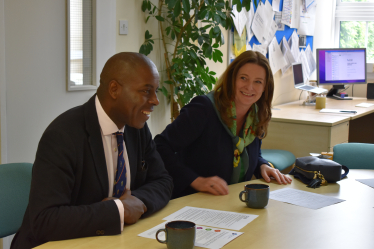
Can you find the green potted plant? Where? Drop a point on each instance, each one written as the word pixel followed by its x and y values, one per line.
pixel 190 33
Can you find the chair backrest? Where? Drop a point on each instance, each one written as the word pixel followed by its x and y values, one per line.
pixel 355 155
pixel 15 181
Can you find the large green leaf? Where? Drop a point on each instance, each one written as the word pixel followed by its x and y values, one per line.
pixel 160 18
pixel 171 3
pixel 216 18
pixel 246 4
pixel 144 5
pixel 200 40
pixel 177 9
pixel 193 54
pixel 217 30
pixel 186 6
pixel 147 35
pixel 238 5
pixel 208 52
pixel 164 91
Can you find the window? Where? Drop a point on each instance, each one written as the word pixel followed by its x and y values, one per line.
pixel 354 25
pixel 81 45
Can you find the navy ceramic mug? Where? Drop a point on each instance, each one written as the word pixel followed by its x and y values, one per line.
pixel 256 195
pixel 179 234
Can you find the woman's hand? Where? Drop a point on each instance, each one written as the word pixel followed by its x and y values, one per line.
pixel 213 185
pixel 267 172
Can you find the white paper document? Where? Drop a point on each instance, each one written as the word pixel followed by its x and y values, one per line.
pixel 307 21
pixel 270 32
pixel 240 19
pixel 287 55
pixel 303 198
pixel 270 25
pixel 287 12
pixel 214 218
pixel 309 4
pixel 206 237
pixel 311 60
pixel 276 58
pixel 369 182
pixel 250 15
pixel 341 111
pixel 293 43
pixel 291 13
pixel 276 5
pixel 364 105
pixel 306 69
pixel 278 19
pixel 260 49
pixel 259 22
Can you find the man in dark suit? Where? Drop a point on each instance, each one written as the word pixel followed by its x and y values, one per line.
pixel 74 173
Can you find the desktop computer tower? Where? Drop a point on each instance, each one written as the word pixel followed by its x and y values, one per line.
pixel 370 91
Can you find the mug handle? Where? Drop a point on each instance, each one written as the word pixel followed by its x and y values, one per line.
pixel 241 196
pixel 159 231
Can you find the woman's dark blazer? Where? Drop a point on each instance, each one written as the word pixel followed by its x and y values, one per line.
pixel 196 144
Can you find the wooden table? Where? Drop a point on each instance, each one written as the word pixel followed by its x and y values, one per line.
pixel 303 129
pixel 349 224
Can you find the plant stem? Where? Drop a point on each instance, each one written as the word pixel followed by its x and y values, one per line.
pixel 167 62
pixel 184 27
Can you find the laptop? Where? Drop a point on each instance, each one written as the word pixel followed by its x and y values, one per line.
pixel 298 78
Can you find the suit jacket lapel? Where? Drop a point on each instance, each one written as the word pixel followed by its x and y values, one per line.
pixel 96 142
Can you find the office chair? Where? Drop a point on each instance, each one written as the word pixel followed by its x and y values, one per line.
pixel 280 159
pixel 355 155
pixel 15 181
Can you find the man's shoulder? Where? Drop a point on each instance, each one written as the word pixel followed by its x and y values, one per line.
pixel 71 117
pixel 74 119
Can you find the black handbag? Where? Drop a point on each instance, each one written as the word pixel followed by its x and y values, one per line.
pixel 316 171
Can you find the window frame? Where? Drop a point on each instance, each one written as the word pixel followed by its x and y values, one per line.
pixel 354 12
pixel 349 5
pixel 351 13
pixel 104 40
pixel 93 85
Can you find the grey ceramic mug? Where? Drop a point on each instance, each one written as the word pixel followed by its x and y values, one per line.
pixel 179 234
pixel 256 195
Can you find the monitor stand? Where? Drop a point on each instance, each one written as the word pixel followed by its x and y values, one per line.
pixel 333 93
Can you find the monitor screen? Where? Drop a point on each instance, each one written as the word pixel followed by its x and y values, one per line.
pixel 337 66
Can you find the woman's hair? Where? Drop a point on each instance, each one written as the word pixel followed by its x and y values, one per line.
pixel 224 91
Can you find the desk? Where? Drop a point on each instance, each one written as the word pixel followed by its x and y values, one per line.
pixel 348 224
pixel 303 129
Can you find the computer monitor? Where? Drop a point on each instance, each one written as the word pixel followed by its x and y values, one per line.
pixel 341 66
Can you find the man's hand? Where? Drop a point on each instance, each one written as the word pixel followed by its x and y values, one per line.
pixel 213 185
pixel 134 208
pixel 268 172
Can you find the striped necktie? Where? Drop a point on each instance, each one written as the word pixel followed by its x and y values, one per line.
pixel 121 175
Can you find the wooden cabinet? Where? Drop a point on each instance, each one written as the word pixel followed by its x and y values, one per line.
pixel 303 129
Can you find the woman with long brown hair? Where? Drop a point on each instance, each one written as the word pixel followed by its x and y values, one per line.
pixel 216 140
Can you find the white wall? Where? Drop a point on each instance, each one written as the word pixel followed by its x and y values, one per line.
pixel 35 64
pixel 130 10
pixel 2 93
pixel 2 84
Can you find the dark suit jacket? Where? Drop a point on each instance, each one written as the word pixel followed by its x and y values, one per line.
pixel 69 180
pixel 197 144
